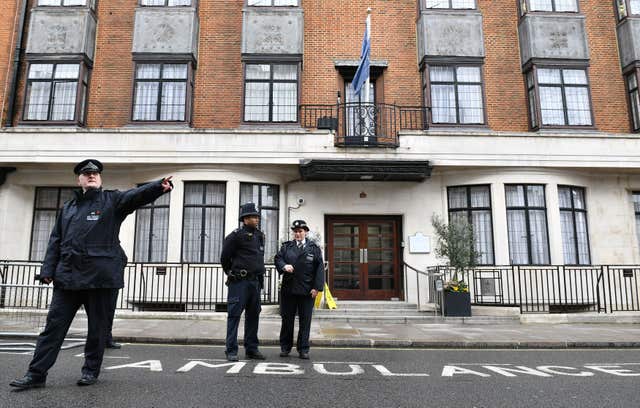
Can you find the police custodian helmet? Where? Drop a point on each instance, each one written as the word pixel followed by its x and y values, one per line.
pixel 88 166
pixel 247 210
pixel 300 224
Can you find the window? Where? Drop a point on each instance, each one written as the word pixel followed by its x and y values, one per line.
pixel 626 8
pixel 55 93
pixel 450 4
pixel 162 92
pixel 558 97
pixel 527 224
pixel 636 208
pixel 267 198
pixel 272 2
pixel 634 99
pixel 271 93
pixel 169 3
pixel 152 230
pixel 203 222
pixel 573 221
pixel 49 201
pixel 473 203
pixel 67 3
pixel 455 95
pixel 360 112
pixel 555 6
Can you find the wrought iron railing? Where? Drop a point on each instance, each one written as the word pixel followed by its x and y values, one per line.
pixel 364 124
pixel 162 286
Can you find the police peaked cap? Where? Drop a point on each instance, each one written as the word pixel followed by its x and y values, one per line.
pixel 300 224
pixel 88 166
pixel 247 210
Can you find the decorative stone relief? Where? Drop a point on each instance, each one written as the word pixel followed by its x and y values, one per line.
pixel 61 32
pixel 272 32
pixel 166 30
pixel 553 37
pixel 629 41
pixel 450 35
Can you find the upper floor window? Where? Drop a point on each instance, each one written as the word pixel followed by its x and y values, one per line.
pixel 56 92
pixel 162 93
pixel 66 3
pixel 559 97
pixel 455 95
pixel 573 222
pixel 634 98
pixel 272 2
pixel 450 4
pixel 166 3
pixel 271 92
pixel 554 6
pixel 626 8
pixel 48 203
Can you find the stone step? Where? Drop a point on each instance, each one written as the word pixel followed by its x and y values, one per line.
pixel 424 318
pixel 374 305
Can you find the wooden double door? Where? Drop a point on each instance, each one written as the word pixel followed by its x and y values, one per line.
pixel 364 257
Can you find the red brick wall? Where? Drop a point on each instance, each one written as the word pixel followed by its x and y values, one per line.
pixel 333 30
pixel 8 32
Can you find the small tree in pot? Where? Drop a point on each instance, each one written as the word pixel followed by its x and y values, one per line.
pixel 455 244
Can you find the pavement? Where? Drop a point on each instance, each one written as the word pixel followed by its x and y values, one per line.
pixel 485 329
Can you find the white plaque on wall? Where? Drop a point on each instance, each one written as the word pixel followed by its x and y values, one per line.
pixel 419 244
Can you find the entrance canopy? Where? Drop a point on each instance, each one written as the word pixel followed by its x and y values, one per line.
pixel 365 170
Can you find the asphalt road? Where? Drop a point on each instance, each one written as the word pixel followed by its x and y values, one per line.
pixel 198 376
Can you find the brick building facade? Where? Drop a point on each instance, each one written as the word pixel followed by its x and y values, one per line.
pixel 517 114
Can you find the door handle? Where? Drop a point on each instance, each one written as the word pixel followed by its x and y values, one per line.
pixel 361 255
pixel 366 255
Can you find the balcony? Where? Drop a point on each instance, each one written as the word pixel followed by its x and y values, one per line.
pixel 364 124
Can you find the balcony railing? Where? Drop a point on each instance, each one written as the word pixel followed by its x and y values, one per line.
pixel 364 124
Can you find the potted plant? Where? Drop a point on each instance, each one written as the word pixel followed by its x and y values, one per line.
pixel 455 243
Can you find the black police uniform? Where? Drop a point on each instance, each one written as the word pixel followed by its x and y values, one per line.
pixel 242 260
pixel 295 292
pixel 86 262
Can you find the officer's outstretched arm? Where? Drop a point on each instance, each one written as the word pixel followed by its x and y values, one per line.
pixel 131 200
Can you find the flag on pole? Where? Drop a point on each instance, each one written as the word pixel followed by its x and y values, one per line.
pixel 362 74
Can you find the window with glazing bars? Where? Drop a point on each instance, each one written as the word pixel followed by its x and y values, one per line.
pixel 473 203
pixel 161 92
pixel 450 4
pixel 626 8
pixel 67 3
pixel 48 203
pixel 166 3
pixel 456 95
pixel 636 208
pixel 555 6
pixel 272 2
pixel 203 221
pixel 55 93
pixel 573 222
pixel 559 97
pixel 271 93
pixel 152 231
pixel 266 197
pixel 527 224
pixel 634 99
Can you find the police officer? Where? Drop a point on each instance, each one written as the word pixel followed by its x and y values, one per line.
pixel 242 260
pixel 110 344
pixel 300 263
pixel 85 262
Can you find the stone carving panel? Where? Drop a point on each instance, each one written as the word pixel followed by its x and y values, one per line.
pixel 553 37
pixel 629 41
pixel 450 35
pixel 166 31
pixel 272 31
pixel 62 32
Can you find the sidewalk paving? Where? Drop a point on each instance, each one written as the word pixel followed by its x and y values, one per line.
pixel 540 331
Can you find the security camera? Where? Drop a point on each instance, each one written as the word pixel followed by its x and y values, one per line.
pixel 300 200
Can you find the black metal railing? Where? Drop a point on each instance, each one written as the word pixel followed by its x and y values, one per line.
pixel 158 287
pixel 552 289
pixel 364 124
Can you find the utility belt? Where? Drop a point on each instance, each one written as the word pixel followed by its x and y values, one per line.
pixel 239 275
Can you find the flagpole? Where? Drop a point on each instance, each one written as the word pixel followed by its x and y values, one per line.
pixel 368 24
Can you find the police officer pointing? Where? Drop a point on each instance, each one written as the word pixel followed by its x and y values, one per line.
pixel 242 260
pixel 299 261
pixel 85 262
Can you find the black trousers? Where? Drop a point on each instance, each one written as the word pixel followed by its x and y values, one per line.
pixel 63 308
pixel 289 305
pixel 112 314
pixel 244 296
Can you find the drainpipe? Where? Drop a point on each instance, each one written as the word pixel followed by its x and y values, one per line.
pixel 13 88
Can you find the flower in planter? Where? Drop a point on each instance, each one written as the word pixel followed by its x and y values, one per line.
pixel 456 286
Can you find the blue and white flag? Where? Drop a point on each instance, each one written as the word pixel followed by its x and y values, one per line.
pixel 362 74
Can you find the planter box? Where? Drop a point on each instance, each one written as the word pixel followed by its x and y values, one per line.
pixel 457 304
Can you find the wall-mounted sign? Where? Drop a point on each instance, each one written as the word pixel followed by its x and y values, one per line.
pixel 419 244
